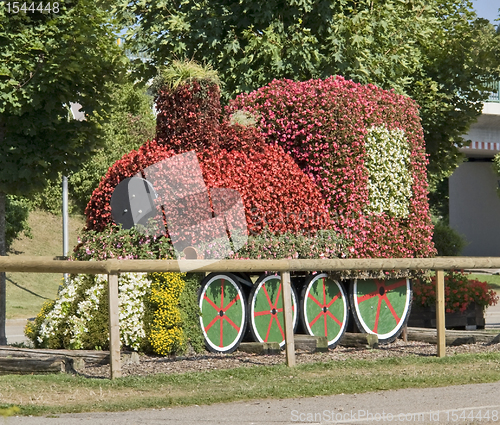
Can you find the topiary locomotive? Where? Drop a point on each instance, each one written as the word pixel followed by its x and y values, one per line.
pixel 322 168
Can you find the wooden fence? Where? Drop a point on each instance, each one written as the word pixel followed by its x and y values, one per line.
pixel 114 267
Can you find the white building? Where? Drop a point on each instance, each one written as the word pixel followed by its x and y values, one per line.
pixel 474 201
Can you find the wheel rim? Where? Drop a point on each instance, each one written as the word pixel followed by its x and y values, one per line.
pixel 266 310
pixel 223 312
pixel 381 306
pixel 325 308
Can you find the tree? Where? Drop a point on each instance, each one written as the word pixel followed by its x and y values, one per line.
pixel 49 59
pixel 16 218
pixel 131 122
pixel 436 51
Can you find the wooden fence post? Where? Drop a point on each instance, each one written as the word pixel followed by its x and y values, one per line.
pixel 288 315
pixel 114 327
pixel 440 317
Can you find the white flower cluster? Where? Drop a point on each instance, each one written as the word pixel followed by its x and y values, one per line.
pixel 59 311
pixel 133 287
pixel 90 303
pixel 132 291
pixel 389 179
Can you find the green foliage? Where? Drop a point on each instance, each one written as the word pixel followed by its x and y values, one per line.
pixel 438 52
pixel 267 245
pixel 175 314
pixel 49 60
pixel 158 313
pixel 131 122
pixel 16 216
pixel 115 242
pixel 190 312
pixel 447 240
pixel 32 329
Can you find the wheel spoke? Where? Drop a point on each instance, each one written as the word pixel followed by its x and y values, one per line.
pixel 208 300
pixel 328 312
pixel 377 316
pixel 368 296
pixel 214 320
pixel 395 285
pixel 262 313
pixel 279 327
pixel 267 296
pixel 316 319
pixel 269 328
pixel 231 322
pixel 277 296
pixel 231 303
pixel 324 293
pixel 391 309
pixel 222 295
pixel 221 344
pixel 315 300
pixel 335 298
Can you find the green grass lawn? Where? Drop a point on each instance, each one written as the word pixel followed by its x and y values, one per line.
pixel 53 394
pixel 26 292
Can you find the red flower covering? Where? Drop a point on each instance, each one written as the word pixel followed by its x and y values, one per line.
pixel 322 124
pixel 275 192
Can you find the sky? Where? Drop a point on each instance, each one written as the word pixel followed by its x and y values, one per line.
pixel 487 9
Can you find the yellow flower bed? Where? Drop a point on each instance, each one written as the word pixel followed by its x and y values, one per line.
pixel 166 334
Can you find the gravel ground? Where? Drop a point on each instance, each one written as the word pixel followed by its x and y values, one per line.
pixel 208 361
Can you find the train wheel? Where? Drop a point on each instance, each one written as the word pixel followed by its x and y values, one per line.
pixel 381 307
pixel 266 320
pixel 223 312
pixel 324 308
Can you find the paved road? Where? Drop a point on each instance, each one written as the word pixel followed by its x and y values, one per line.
pixel 492 317
pixel 422 406
pixel 14 330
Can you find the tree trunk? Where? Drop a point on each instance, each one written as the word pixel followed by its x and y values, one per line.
pixel 3 252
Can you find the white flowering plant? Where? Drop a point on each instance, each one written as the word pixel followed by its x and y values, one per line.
pixel 78 319
pixel 389 178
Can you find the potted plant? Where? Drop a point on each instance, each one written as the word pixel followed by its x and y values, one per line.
pixel 465 302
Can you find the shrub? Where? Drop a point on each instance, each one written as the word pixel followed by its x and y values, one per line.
pixel 324 244
pixel 166 330
pixel 149 314
pixel 115 242
pixel 78 319
pixel 17 211
pixel 448 241
pixel 335 129
pixel 459 292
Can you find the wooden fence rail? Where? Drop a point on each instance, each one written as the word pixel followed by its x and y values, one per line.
pixel 54 265
pixel 113 267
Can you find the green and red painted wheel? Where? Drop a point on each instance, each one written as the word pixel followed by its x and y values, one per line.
pixel 265 305
pixel 324 308
pixel 223 312
pixel 381 307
